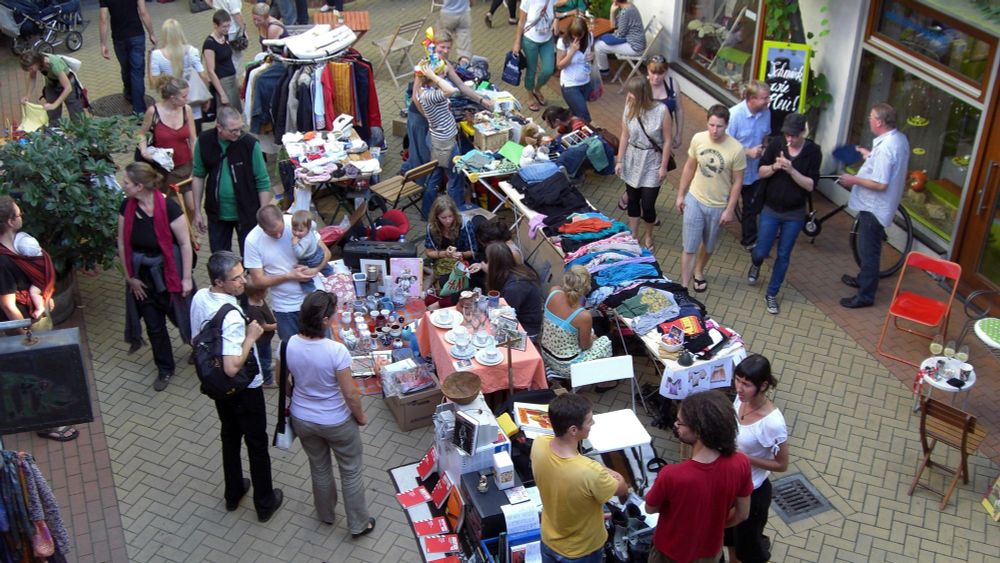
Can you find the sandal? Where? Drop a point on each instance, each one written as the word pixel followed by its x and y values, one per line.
pixel 60 434
pixel 623 201
pixel 534 106
pixel 700 286
pixel 539 98
pixel 368 529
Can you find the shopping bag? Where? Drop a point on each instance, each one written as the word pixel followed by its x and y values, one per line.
pixel 458 280
pixel 33 116
pixel 596 84
pixel 512 69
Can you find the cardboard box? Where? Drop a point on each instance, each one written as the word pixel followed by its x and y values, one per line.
pixel 492 141
pixel 503 470
pixel 399 126
pixel 414 410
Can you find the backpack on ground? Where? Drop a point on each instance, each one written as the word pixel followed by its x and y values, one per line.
pixel 208 360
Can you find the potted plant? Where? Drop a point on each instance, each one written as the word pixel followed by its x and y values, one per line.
pixel 59 179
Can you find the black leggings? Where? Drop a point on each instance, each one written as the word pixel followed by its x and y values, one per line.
pixel 748 536
pixel 643 199
pixel 511 7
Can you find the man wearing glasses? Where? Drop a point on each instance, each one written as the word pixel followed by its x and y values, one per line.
pixel 750 123
pixel 875 194
pixel 243 415
pixel 231 165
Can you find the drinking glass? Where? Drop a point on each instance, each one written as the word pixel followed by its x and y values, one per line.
pixel 937 345
pixel 468 311
pixel 949 349
pixel 962 354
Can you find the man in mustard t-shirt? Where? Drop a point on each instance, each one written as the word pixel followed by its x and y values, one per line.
pixel 714 174
pixel 573 487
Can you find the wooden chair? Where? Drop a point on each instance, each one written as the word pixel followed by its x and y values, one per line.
pixel 653 31
pixel 405 186
pixel 953 427
pixel 920 309
pixel 195 235
pixel 401 42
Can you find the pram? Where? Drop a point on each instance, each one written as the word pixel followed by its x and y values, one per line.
pixel 42 25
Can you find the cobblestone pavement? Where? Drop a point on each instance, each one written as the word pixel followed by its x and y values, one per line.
pixel 852 432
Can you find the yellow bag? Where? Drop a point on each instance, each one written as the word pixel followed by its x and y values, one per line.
pixel 33 116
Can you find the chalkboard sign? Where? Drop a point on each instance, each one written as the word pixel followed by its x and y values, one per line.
pixel 785 68
pixel 43 385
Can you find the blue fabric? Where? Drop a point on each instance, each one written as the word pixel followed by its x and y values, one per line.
pixel 131 55
pixel 576 99
pixel 616 227
pixel 611 39
pixel 870 234
pixel 264 90
pixel 749 129
pixel 625 273
pixel 264 358
pixel 772 227
pixel 538 171
pixel 288 324
pixel 549 556
pixel 288 12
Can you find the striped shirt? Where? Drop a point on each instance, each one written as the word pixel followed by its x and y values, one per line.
pixel 628 26
pixel 438 111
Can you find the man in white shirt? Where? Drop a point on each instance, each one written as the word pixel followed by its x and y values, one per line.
pixel 243 416
pixel 271 261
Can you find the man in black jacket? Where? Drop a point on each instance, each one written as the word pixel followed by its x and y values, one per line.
pixel 231 165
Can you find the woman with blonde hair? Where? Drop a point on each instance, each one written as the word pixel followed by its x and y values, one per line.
pixel 567 328
pixel 171 122
pixel 176 57
pixel 643 154
pixel 268 27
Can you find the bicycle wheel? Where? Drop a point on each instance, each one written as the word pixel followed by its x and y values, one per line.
pixel 891 259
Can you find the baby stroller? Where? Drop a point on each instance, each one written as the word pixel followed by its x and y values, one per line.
pixel 42 25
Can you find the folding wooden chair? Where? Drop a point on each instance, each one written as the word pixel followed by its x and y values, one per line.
pixel 653 31
pixel 917 308
pixel 195 236
pixel 401 42
pixel 405 186
pixel 953 427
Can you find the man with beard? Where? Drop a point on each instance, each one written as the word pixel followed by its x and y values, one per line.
pixel 701 496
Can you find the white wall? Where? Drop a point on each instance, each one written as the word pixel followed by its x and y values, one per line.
pixel 669 13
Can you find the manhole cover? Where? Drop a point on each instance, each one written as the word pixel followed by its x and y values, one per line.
pixel 794 498
pixel 114 104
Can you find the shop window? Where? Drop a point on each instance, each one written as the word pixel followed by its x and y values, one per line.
pixel 964 53
pixel 718 40
pixel 941 130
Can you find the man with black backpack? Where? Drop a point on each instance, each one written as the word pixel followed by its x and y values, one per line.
pixel 224 347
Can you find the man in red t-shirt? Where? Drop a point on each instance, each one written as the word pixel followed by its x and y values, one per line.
pixel 700 497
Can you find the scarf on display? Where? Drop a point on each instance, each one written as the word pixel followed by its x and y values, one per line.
pixel 39 271
pixel 165 237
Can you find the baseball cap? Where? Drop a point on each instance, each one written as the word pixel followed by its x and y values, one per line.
pixel 795 124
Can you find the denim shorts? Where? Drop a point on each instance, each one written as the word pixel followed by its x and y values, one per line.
pixel 701 225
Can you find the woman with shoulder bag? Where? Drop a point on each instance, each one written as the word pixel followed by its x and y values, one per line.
pixel 536 25
pixel 219 62
pixel 60 85
pixel 326 412
pixel 643 155
pixel 175 57
pixel 169 123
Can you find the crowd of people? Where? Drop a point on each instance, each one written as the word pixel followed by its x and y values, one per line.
pixel 737 158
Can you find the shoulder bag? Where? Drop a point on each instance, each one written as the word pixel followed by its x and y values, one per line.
pixel 671 164
pixel 284 434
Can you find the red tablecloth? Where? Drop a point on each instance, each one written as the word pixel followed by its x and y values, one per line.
pixel 529 371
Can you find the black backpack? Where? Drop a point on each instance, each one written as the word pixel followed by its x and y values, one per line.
pixel 208 360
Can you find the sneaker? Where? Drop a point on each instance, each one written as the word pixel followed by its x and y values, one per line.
pixel 753 274
pixel 325 8
pixel 489 19
pixel 512 21
pixel 162 381
pixel 772 304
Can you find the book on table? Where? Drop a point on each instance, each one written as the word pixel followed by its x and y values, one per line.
pixel 533 419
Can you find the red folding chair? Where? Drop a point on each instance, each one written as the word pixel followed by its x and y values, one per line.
pixel 918 308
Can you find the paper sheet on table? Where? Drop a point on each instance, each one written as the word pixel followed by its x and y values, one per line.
pixel 521 517
pixel 536 497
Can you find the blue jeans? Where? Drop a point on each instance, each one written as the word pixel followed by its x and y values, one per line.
pixel 131 55
pixel 549 556
pixel 611 39
pixel 870 235
pixel 264 358
pixel 302 12
pixel 288 325
pixel 576 99
pixel 456 183
pixel 770 227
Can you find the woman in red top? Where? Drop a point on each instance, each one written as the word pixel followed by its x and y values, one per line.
pixel 172 125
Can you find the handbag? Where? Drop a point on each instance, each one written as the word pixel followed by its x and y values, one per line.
pixel 284 434
pixel 197 89
pixel 151 142
pixel 41 541
pixel 596 82
pixel 512 69
pixel 671 164
pixel 240 43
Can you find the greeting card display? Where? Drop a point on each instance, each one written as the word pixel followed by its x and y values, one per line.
pixel 441 490
pixel 413 497
pixel 427 464
pixel 441 544
pixel 432 526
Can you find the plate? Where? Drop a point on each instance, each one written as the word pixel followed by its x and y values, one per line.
pixel 455 353
pixel 489 340
pixel 438 322
pixel 449 336
pixel 481 358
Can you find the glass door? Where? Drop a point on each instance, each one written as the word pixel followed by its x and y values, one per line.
pixel 979 253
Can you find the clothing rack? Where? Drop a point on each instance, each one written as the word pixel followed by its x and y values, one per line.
pixel 31 526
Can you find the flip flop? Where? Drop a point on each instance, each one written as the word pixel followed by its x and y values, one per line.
pixel 60 434
pixel 539 99
pixel 700 286
pixel 533 106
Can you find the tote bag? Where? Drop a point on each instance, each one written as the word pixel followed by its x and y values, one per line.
pixel 512 69
pixel 197 90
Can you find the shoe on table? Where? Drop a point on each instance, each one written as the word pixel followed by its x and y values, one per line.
pixel 265 515
pixel 233 505
pixel 772 304
pixel 753 275
pixel 162 381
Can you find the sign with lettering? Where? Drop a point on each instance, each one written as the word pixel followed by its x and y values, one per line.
pixel 785 68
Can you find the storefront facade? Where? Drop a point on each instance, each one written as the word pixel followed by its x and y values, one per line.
pixel 935 61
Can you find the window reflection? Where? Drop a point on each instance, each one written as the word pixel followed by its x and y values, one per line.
pixel 941 130
pixel 718 40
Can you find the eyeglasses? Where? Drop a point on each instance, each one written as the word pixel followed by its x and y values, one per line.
pixel 231 131
pixel 240 277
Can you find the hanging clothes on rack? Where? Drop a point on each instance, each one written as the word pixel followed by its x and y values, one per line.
pixel 31 526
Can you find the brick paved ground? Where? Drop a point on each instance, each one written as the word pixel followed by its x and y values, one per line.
pixel 852 432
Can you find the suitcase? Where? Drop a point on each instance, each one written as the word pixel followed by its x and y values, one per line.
pixel 376 250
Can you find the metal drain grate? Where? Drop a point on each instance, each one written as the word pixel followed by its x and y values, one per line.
pixel 794 498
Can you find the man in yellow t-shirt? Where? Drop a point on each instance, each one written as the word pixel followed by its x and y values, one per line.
pixel 714 175
pixel 573 487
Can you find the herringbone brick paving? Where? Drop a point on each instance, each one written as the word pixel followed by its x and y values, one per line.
pixel 852 432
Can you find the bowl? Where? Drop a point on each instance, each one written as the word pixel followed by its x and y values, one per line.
pixel 462 387
pixel 671 347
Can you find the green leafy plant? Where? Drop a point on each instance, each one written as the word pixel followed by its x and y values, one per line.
pixel 57 180
pixel 600 8
pixel 778 23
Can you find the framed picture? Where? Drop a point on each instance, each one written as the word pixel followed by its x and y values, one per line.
pixel 383 282
pixel 507 329
pixel 411 270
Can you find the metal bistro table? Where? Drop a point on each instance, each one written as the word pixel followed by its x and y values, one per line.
pixel 942 384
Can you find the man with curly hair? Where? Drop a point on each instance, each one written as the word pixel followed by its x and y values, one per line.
pixel 700 497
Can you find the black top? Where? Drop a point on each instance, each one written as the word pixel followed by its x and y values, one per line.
pixel 124 16
pixel 781 192
pixel 143 235
pixel 525 296
pixel 12 280
pixel 263 315
pixel 223 56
